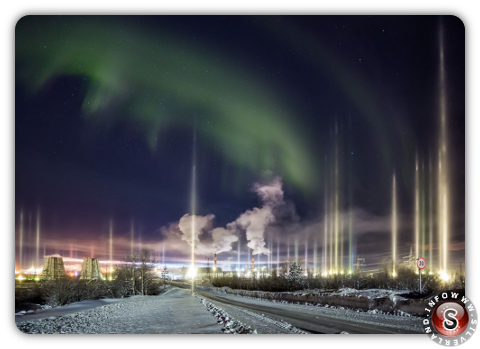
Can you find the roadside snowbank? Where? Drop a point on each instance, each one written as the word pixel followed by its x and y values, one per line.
pixel 378 300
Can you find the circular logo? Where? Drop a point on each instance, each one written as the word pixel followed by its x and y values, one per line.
pixel 450 319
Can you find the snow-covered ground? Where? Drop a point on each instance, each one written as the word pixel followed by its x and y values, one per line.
pixel 176 311
pixel 403 321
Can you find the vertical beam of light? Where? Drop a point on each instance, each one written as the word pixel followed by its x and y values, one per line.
pixel 193 204
pixel 37 254
pixel 423 209
pixel 443 169
pixel 430 215
pixel 417 211
pixel 140 246
pixel 315 255
pixel 288 250
pixel 163 253
pixel 342 241
pixel 296 249
pixel 110 243
pixel 325 231
pixel 29 238
pixel 445 230
pixel 278 255
pixel 20 261
pixel 306 256
pixel 439 213
pixel 332 226
pixel 350 238
pixel 336 198
pixel 270 257
pixel 331 216
pixel 238 255
pixel 132 236
pixel 394 225
pixel 350 200
pixel 325 244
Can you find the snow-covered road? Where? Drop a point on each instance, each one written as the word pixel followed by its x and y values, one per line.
pixel 312 318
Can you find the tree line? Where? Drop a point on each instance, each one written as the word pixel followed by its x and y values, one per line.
pixel 136 276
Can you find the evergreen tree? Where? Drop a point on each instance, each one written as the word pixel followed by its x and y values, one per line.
pixel 295 277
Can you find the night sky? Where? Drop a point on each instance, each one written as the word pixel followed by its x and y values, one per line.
pixel 106 109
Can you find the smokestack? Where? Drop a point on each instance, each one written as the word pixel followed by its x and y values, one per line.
pixel 253 261
pixel 215 261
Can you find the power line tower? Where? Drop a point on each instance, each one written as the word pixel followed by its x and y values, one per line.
pixel 360 263
pixel 411 261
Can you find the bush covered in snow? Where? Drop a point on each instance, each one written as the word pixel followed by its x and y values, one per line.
pixel 67 290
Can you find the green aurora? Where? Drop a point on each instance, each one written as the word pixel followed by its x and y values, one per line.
pixel 158 83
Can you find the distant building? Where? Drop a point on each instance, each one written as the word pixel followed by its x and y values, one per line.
pixel 53 268
pixel 90 269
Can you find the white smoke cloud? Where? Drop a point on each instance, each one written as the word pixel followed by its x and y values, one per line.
pixel 256 220
pixel 223 239
pixel 253 222
pixel 270 193
pixel 201 224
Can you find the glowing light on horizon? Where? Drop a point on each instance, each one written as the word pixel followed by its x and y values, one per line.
pixel 444 276
pixel 31 271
